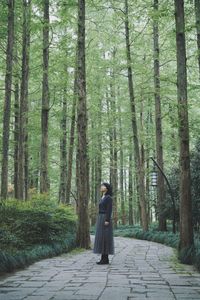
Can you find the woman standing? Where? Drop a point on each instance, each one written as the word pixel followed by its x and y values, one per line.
pixel 104 241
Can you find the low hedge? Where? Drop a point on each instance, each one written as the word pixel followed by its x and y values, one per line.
pixel 34 229
pixel 9 261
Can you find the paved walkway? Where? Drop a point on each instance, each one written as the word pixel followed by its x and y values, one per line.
pixel 138 270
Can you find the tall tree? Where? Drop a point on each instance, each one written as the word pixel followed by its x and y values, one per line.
pixel 158 121
pixel 83 235
pixel 63 151
pixel 137 156
pixel 16 126
pixel 113 143
pixel 44 179
pixel 23 120
pixel 121 156
pixel 7 102
pixel 71 140
pixel 186 231
pixel 130 187
pixel 197 14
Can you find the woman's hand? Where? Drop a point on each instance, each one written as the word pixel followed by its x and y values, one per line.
pixel 106 223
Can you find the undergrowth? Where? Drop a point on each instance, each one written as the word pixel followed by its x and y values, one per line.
pixel 34 229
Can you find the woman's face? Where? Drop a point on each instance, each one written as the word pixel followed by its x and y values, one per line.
pixel 103 188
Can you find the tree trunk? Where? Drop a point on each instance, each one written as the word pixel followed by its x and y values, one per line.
pixel 92 191
pixel 63 151
pixel 16 127
pixel 158 121
pixel 111 109
pixel 142 150
pixel 83 235
pixel 71 141
pixel 197 13
pixel 98 167
pixel 130 189
pixel 137 158
pixel 44 178
pixel 23 122
pixel 7 103
pixel 123 212
pixel 186 230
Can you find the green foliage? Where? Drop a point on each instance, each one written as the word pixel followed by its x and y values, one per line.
pixel 11 261
pixel 195 188
pixel 34 229
pixel 38 221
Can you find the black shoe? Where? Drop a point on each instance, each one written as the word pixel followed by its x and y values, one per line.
pixel 104 260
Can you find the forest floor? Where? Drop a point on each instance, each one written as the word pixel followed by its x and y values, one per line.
pixel 138 270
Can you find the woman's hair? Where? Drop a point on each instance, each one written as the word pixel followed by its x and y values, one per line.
pixel 109 188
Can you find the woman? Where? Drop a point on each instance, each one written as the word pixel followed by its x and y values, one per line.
pixel 104 241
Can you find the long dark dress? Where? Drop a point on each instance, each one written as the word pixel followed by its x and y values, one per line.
pixel 104 241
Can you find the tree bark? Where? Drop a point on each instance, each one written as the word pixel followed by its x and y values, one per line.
pixel 23 121
pixel 83 235
pixel 71 141
pixel 111 109
pixel 162 226
pixel 197 14
pixel 130 188
pixel 63 151
pixel 137 158
pixel 186 230
pixel 44 178
pixel 16 120
pixel 7 102
pixel 98 160
pixel 122 198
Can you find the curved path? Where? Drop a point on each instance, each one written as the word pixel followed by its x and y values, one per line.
pixel 138 270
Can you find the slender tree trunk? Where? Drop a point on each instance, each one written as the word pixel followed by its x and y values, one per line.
pixel 123 212
pixel 71 141
pixel 197 13
pixel 7 103
pixel 92 193
pixel 186 230
pixel 158 121
pixel 98 168
pixel 111 108
pixel 63 152
pixel 114 181
pixel 137 158
pixel 130 189
pixel 16 127
pixel 142 149
pixel 23 122
pixel 34 175
pixel 44 178
pixel 97 161
pixel 147 187
pixel 83 235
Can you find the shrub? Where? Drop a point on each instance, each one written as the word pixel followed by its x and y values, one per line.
pixel 34 229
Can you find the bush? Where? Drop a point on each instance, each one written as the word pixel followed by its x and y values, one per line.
pixel 34 229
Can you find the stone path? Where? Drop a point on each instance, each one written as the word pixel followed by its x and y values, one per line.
pixel 138 270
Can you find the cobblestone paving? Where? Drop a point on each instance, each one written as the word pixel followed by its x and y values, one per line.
pixel 138 270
